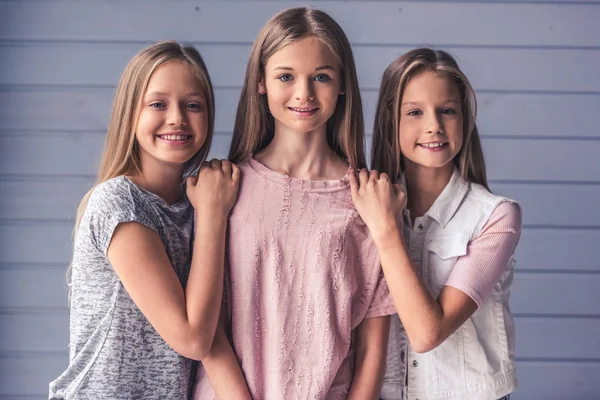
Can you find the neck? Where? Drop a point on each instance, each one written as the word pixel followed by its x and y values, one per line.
pixel 424 185
pixel 302 155
pixel 162 180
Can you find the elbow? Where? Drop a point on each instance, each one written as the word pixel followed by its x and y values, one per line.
pixel 196 348
pixel 425 342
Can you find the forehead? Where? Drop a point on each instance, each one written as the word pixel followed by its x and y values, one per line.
pixel 429 86
pixel 174 75
pixel 305 54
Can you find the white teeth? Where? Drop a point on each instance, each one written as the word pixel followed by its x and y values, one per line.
pixel 173 137
pixel 432 145
pixel 303 109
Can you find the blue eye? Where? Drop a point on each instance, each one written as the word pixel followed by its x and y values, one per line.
pixel 158 105
pixel 322 78
pixel 285 78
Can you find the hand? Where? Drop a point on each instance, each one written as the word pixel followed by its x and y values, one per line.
pixel 214 190
pixel 378 201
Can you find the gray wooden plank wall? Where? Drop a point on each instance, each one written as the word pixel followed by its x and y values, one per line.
pixel 535 66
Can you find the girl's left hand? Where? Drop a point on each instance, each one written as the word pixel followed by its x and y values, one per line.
pixel 378 201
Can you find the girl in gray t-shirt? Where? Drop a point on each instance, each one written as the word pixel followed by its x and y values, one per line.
pixel 142 307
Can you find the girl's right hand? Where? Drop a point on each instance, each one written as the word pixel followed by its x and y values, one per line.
pixel 378 202
pixel 214 190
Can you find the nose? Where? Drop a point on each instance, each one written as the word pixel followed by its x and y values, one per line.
pixel 176 116
pixel 434 123
pixel 304 91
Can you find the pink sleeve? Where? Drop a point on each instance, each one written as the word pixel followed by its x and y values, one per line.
pixel 382 303
pixel 371 295
pixel 487 256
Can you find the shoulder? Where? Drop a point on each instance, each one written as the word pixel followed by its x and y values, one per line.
pixel 114 194
pixel 508 215
pixel 111 203
pixel 117 200
pixel 479 194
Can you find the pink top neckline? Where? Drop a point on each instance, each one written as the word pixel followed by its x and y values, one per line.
pixel 311 185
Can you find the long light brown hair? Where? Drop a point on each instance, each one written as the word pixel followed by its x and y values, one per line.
pixel 254 125
pixel 386 155
pixel 121 153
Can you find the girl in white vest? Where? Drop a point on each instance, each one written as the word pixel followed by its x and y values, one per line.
pixel 446 242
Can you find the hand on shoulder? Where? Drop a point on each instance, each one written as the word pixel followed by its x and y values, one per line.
pixel 214 190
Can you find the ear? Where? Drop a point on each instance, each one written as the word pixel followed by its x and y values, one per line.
pixel 342 91
pixel 262 89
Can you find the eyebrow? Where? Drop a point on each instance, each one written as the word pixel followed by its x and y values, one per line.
pixel 283 68
pixel 158 93
pixel 416 103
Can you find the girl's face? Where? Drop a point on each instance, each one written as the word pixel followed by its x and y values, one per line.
pixel 173 120
pixel 302 82
pixel 431 121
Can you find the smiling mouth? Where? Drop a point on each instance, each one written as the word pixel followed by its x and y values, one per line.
pixel 435 145
pixel 174 138
pixel 303 110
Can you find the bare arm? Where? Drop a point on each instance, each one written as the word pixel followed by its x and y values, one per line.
pixel 428 321
pixel 187 321
pixel 370 347
pixel 222 367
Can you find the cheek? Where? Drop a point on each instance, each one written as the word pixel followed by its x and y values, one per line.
pixel 330 95
pixel 146 120
pixel 409 134
pixel 457 133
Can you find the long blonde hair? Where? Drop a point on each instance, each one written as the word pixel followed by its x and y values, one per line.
pixel 254 125
pixel 386 155
pixel 121 153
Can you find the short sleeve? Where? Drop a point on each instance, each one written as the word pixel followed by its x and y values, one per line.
pixel 382 303
pixel 109 205
pixel 488 255
pixel 372 294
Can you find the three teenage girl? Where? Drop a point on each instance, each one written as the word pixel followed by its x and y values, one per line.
pixel 306 310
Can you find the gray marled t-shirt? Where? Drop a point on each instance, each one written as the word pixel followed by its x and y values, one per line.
pixel 114 351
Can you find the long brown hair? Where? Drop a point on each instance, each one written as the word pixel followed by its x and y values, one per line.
pixel 254 125
pixel 121 153
pixel 386 155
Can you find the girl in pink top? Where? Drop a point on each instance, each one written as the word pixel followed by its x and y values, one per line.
pixel 308 306
pixel 450 273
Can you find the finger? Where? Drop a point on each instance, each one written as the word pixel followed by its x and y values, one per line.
pixel 191 180
pixel 226 167
pixel 373 175
pixel 204 165
pixel 235 173
pixel 397 189
pixel 384 177
pixel 353 183
pixel 215 164
pixel 363 177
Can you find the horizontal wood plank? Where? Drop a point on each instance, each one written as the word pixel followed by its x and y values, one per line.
pixel 381 22
pixel 568 339
pixel 36 110
pixel 57 197
pixel 537 380
pixel 516 69
pixel 44 287
pixel 506 158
